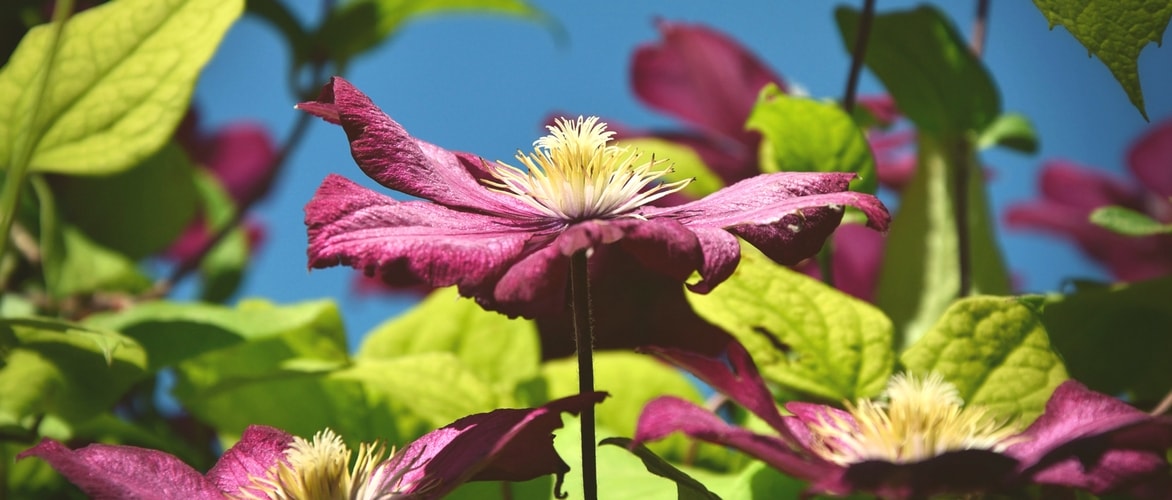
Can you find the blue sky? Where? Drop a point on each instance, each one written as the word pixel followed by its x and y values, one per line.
pixel 484 84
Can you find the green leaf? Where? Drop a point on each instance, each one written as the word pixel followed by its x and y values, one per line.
pixel 71 371
pixel 222 268
pixel 121 80
pixel 687 488
pixel 622 475
pixel 84 267
pixel 684 161
pixel 1116 340
pixel 920 275
pixel 1010 130
pixel 996 352
pixel 173 332
pixel 279 16
pixel 801 333
pixel 1128 222
pixel 928 68
pixel 497 349
pixel 137 212
pixel 358 26
pixel 804 135
pixel 1115 31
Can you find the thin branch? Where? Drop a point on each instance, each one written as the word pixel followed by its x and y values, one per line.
pixel 857 55
pixel 980 28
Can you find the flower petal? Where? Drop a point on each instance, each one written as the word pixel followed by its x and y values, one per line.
pixel 1090 440
pixel 116 472
pixel 955 472
pixel 501 445
pixel 259 449
pixel 389 155
pixel 408 242
pixel 1150 157
pixel 701 76
pixel 669 414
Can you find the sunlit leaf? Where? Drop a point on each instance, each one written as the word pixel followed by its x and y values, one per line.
pixel 1115 31
pixel 1128 222
pixel 1010 130
pixel 687 488
pixel 801 333
pixel 119 84
pixel 996 352
pixel 804 135
pixel 53 367
pixel 1116 340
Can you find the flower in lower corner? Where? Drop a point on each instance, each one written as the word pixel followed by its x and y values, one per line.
pixel 505 234
pixel 920 439
pixel 268 463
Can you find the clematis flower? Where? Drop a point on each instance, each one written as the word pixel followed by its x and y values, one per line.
pixel 501 445
pixel 1070 192
pixel 921 440
pixel 505 235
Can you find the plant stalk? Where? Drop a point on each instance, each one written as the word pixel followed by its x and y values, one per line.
pixel 584 343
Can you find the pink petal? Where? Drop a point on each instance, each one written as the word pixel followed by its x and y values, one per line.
pixel 408 242
pixel 117 472
pixel 501 445
pixel 389 155
pixel 700 76
pixel 1150 159
pixel 243 158
pixel 258 451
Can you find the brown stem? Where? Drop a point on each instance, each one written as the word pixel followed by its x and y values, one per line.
pixel 584 343
pixel 980 28
pixel 857 55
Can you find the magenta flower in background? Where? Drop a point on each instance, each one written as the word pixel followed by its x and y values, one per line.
pixel 505 235
pixel 501 445
pixel 1070 192
pixel 243 158
pixel 922 440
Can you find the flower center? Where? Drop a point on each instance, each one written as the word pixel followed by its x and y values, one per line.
pixel 574 174
pixel 317 469
pixel 921 419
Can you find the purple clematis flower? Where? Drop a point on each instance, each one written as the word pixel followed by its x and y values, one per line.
pixel 1070 193
pixel 501 445
pixel 922 441
pixel 505 235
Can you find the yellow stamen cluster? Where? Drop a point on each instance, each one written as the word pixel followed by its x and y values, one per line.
pixel 920 419
pixel 575 174
pixel 318 470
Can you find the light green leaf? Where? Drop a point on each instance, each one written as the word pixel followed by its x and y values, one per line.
pixel 685 164
pixel 1116 340
pixel 173 332
pixel 928 68
pixel 920 276
pixel 687 488
pixel 801 333
pixel 360 25
pixel 137 212
pixel 120 82
pixel 1010 130
pixel 497 349
pixel 71 371
pixel 804 135
pixel 1115 31
pixel 996 352
pixel 84 266
pixel 622 475
pixel 1128 222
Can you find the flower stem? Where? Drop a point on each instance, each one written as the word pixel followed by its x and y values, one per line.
pixel 857 56
pixel 584 343
pixel 980 28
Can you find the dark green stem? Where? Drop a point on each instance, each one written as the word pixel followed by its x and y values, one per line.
pixel 964 169
pixel 857 55
pixel 584 343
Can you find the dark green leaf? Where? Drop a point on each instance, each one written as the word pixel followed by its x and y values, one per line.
pixel 804 135
pixel 120 82
pixel 686 487
pixel 1128 222
pixel 55 368
pixel 1115 31
pixel 996 352
pixel 928 68
pixel 137 212
pixel 1010 130
pixel 801 333
pixel 275 13
pixel 1116 340
pixel 920 276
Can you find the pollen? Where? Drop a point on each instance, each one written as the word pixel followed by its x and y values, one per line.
pixel 918 419
pixel 575 173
